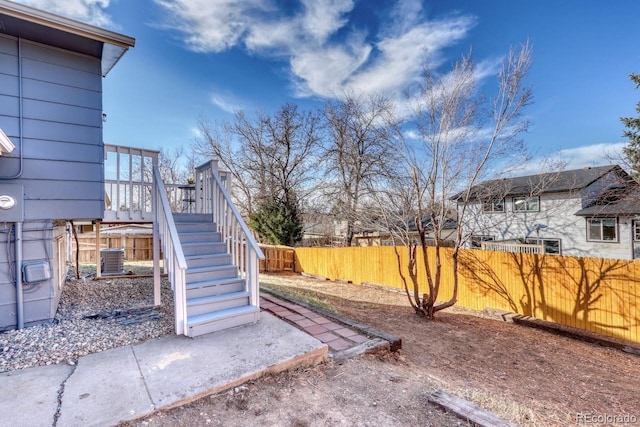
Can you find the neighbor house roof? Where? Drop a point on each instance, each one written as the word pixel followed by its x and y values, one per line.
pixel 553 182
pixel 629 204
pixel 410 225
pixel 36 25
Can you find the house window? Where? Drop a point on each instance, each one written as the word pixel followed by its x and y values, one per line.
pixel 636 239
pixel 526 204
pixel 602 230
pixel 494 205
pixel 476 241
pixel 551 246
pixel 636 231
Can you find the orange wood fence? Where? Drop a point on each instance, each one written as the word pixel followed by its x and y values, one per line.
pixel 597 295
pixel 136 247
pixel 277 258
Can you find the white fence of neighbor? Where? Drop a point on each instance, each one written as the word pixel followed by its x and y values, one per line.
pixel 518 248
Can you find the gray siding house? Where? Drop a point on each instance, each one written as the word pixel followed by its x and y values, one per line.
pixel 55 168
pixel 51 71
pixel 589 212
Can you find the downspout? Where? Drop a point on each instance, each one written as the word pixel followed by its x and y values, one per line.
pixel 19 295
pixel 21 118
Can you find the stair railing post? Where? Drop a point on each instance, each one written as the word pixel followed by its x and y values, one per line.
pixel 157 298
pixel 252 276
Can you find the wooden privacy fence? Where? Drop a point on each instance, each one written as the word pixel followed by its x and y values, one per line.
pixel 140 248
pixel 277 258
pixel 136 247
pixel 593 294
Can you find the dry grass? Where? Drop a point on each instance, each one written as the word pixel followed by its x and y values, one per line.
pixel 527 376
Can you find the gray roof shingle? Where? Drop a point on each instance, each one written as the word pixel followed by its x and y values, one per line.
pixel 553 182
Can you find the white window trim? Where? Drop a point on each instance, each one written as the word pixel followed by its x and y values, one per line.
pixel 482 238
pixel 540 241
pixel 636 228
pixel 492 206
pixel 526 203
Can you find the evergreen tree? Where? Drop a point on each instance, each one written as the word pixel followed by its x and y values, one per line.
pixel 278 221
pixel 632 132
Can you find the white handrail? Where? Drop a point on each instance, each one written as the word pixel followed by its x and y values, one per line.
pixel 245 229
pixel 174 260
pixel 213 197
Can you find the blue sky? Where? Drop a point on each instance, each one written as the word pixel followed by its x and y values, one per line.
pixel 208 58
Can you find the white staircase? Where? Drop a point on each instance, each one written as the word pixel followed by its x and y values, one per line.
pixel 211 257
pixel 216 296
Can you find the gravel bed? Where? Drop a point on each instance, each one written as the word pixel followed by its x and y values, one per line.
pixel 93 316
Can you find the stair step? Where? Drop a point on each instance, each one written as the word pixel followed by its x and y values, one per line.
pixel 191 217
pixel 206 288
pixel 200 236
pixel 204 260
pixel 208 272
pixel 219 320
pixel 201 248
pixel 194 227
pixel 209 304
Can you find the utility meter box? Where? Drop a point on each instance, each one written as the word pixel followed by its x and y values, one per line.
pixel 35 272
pixel 11 203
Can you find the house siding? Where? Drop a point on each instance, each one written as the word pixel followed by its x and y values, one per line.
pixel 557 214
pixel 41 242
pixel 62 144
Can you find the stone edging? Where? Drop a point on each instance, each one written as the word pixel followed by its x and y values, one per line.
pixel 395 343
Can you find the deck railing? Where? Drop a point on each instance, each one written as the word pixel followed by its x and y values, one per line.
pixel 128 183
pixel 513 247
pixel 174 260
pixel 128 186
pixel 212 196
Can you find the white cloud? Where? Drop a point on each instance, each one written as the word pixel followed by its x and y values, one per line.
pixel 226 102
pixel 214 25
pixel 575 158
pixel 591 155
pixel 89 11
pixel 323 18
pixel 326 54
pixel 325 71
pixel 402 57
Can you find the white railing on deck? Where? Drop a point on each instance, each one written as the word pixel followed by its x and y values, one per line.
pixel 513 247
pixel 128 182
pixel 212 196
pixel 174 260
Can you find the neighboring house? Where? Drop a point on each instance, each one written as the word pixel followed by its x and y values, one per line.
pixel 584 212
pixel 51 71
pixel 56 169
pixel 378 237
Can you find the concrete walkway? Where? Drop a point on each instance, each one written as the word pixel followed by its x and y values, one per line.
pixel 129 382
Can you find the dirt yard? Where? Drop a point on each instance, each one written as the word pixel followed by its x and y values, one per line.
pixel 527 376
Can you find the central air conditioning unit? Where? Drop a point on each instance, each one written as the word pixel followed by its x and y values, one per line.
pixel 112 261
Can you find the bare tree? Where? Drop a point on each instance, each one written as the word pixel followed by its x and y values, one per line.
pixel 460 140
pixel 218 141
pixel 176 166
pixel 269 157
pixel 360 151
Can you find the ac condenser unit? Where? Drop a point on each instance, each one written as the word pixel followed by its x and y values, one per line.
pixel 112 261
